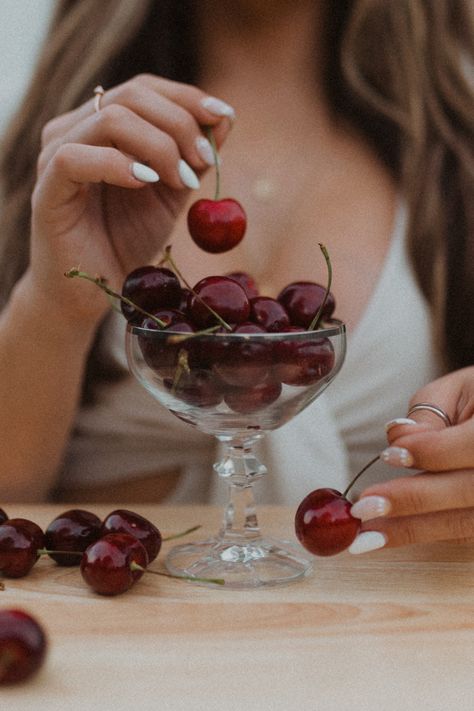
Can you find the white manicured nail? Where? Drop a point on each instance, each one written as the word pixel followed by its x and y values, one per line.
pixel 144 173
pixel 188 176
pixel 397 456
pixel 371 507
pixel 204 149
pixel 399 421
pixel 367 541
pixel 218 107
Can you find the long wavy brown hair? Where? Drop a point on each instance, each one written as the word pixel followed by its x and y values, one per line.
pixel 401 72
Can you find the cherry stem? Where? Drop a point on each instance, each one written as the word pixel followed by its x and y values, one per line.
pixel 364 469
pixel 46 551
pixel 212 141
pixel 180 535
pixel 215 581
pixel 315 322
pixel 100 282
pixel 168 258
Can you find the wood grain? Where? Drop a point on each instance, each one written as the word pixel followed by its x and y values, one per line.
pixel 388 630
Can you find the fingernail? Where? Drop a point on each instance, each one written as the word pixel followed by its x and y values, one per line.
pixel 397 456
pixel 218 107
pixel 367 541
pixel 371 507
pixel 144 173
pixel 188 176
pixel 399 421
pixel 204 149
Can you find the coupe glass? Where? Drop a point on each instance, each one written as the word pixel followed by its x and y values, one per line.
pixel 236 387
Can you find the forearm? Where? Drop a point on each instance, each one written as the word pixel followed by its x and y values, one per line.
pixel 42 358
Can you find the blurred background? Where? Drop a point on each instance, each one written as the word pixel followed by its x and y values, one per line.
pixel 23 24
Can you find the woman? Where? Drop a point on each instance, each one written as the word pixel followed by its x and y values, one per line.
pixel 335 106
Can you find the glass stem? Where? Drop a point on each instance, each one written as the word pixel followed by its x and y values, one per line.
pixel 241 469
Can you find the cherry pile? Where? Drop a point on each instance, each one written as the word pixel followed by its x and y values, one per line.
pixel 247 374
pixel 112 554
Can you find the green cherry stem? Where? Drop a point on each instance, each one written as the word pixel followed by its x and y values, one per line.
pixel 168 258
pixel 364 469
pixel 212 141
pixel 215 581
pixel 315 322
pixel 99 281
pixel 180 535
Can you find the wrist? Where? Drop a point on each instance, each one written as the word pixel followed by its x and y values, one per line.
pixel 59 316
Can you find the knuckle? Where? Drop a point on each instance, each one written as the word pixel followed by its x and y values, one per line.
pixel 48 131
pixel 461 523
pixel 62 157
pixel 111 116
pixel 407 532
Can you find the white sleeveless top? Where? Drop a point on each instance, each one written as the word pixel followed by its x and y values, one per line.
pixel 389 356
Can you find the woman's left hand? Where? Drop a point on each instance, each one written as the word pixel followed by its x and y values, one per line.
pixel 438 503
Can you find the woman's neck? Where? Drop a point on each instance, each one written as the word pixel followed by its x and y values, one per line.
pixel 248 55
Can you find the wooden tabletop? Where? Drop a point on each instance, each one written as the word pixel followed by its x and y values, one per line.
pixel 388 630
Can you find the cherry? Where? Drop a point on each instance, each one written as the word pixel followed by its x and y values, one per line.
pixel 252 399
pixel 150 288
pixel 224 296
pixel 3 516
pixel 107 564
pixel 217 225
pixel 244 363
pixel 302 299
pixel 246 281
pixel 32 527
pixel 23 646
pixel 74 531
pixel 124 521
pixel 159 355
pixel 269 314
pixel 199 388
pixel 303 362
pixel 324 524
pixel 20 540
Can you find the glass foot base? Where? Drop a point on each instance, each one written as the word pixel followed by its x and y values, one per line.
pixel 240 563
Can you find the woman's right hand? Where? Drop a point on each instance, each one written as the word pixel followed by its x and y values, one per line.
pixel 89 209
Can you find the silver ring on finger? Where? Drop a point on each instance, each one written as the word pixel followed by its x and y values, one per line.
pixel 431 408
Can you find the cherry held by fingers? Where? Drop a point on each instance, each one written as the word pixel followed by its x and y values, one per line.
pixel 23 646
pixel 216 225
pixel 324 524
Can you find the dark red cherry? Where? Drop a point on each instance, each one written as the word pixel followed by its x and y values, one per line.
pixel 324 524
pixel 244 362
pixel 72 530
pixel 269 314
pixel 199 388
pixel 3 516
pixel 159 354
pixel 303 362
pixel 246 281
pixel 35 530
pixel 106 565
pixel 217 225
pixel 302 300
pixel 18 549
pixel 251 399
pixel 222 295
pixel 124 521
pixel 150 288
pixel 23 646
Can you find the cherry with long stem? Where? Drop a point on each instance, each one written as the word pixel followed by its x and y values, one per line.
pixel 315 322
pixel 99 281
pixel 359 474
